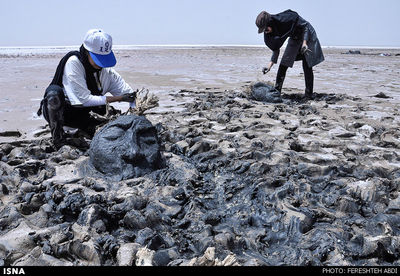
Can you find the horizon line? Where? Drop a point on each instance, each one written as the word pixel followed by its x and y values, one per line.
pixel 126 46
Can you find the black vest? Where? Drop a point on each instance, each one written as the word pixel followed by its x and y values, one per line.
pixel 91 82
pixel 89 70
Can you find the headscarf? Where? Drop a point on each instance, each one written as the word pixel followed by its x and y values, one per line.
pixel 283 25
pixel 262 21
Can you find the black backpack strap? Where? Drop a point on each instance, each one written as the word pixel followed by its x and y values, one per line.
pixel 58 76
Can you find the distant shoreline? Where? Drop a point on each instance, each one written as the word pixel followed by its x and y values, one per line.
pixel 12 50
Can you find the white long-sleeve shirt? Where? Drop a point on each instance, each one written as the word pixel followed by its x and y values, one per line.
pixel 77 92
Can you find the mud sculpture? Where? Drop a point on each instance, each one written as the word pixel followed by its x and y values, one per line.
pixel 126 148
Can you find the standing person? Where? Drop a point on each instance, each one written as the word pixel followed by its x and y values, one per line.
pixel 303 45
pixel 79 86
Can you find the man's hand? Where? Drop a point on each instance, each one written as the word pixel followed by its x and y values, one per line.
pixel 265 70
pixel 130 98
pixel 305 49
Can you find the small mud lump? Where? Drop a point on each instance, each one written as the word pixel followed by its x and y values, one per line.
pixel 265 93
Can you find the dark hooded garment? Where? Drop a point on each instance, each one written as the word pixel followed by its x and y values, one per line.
pixel 289 24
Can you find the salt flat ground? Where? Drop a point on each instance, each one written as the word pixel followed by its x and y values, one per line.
pixel 165 70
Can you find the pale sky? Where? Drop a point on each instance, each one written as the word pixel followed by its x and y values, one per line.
pixel 193 22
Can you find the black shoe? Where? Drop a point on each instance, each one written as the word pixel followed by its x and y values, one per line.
pixel 57 144
pixel 79 143
pixel 57 134
pixel 309 94
pixel 278 87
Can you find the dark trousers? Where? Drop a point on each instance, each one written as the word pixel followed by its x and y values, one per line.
pixel 79 117
pixel 308 77
pixel 58 113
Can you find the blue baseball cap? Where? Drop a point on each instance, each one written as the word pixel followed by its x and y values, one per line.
pixel 99 45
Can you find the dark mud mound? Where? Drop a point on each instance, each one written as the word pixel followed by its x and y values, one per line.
pixel 265 93
pixel 244 183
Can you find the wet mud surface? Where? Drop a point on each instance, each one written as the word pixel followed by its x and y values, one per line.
pixel 299 182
